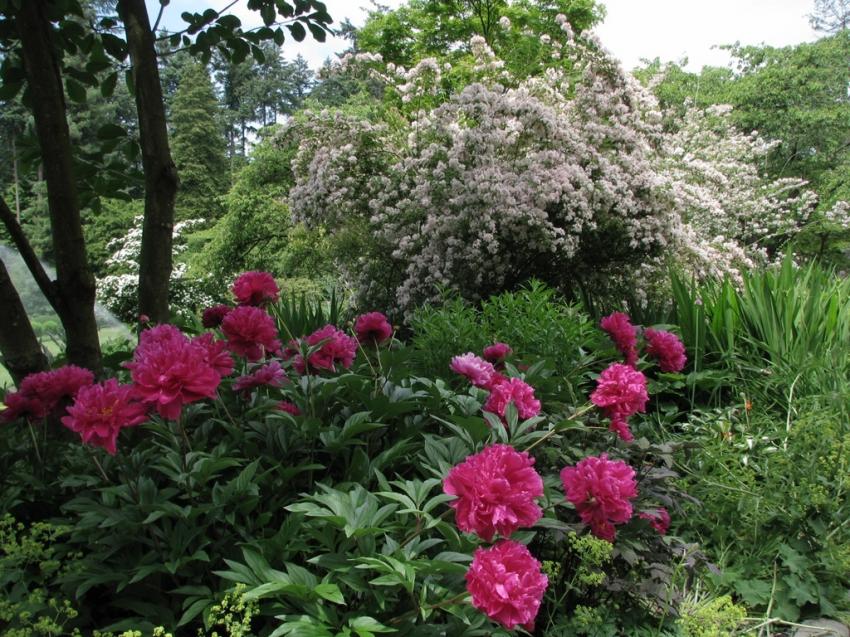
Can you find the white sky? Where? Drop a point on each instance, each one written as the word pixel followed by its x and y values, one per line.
pixel 634 29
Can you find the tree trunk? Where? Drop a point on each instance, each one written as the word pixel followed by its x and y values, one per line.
pixel 75 285
pixel 19 347
pixel 160 173
pixel 15 180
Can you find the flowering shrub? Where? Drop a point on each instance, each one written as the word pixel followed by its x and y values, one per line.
pixel 346 493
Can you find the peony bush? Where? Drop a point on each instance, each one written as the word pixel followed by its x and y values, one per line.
pixel 336 491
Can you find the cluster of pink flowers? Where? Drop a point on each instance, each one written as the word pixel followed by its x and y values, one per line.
pixel 666 348
pixel 255 288
pixel 663 346
pixel 506 583
pixel 496 492
pixel 482 373
pixel 335 347
pixel 623 333
pixel 101 411
pixel 620 392
pixel 170 370
pixel 601 491
pixel 269 375
pixel 251 332
pixel 373 328
pixel 40 394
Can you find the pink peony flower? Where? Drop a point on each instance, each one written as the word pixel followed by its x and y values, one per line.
pixel 217 355
pixel 255 288
pixel 667 349
pixel 506 584
pixel 373 328
pixel 40 394
pixel 514 390
pixel 497 353
pixel 289 407
pixel 100 412
pixel 250 332
pixel 620 393
pixel 478 371
pixel 496 491
pixel 170 371
pixel 623 333
pixel 659 519
pixel 213 316
pixel 601 490
pixel 271 375
pixel 337 348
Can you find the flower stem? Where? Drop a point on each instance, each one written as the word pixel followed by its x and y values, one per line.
pixel 555 429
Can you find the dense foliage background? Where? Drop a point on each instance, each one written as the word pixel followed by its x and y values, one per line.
pixel 480 172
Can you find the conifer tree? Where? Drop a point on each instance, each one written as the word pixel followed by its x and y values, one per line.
pixel 198 146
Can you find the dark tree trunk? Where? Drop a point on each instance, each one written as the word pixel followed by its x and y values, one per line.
pixel 19 347
pixel 160 173
pixel 75 285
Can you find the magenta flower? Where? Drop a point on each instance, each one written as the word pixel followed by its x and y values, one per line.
pixel 213 316
pixel 100 412
pixel 373 328
pixel 601 490
pixel 250 332
pixel 217 355
pixel 255 288
pixel 337 348
pixel 516 391
pixel 478 371
pixel 667 349
pixel 620 393
pixel 659 519
pixel 496 492
pixel 170 371
pixel 497 353
pixel 271 375
pixel 506 584
pixel 40 394
pixel 289 407
pixel 624 335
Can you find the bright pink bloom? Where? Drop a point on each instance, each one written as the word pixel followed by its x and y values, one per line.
pixel 496 492
pixel 478 371
pixel 506 584
pixel 514 390
pixel 41 393
pixel 271 375
pixel 667 349
pixel 250 332
pixel 623 333
pixel 255 288
pixel 217 355
pixel 659 519
pixel 213 316
pixel 170 371
pixel 373 328
pixel 289 407
pixel 497 353
pixel 601 490
pixel 620 392
pixel 337 348
pixel 100 411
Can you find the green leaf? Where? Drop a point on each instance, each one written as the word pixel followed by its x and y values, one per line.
pixel 107 87
pixel 197 607
pixel 330 592
pixel 366 626
pixel 76 91
pixel 110 131
pixel 297 31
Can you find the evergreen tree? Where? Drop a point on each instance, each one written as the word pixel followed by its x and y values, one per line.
pixel 198 146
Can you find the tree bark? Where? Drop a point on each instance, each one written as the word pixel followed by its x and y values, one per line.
pixel 160 173
pixel 75 285
pixel 19 346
